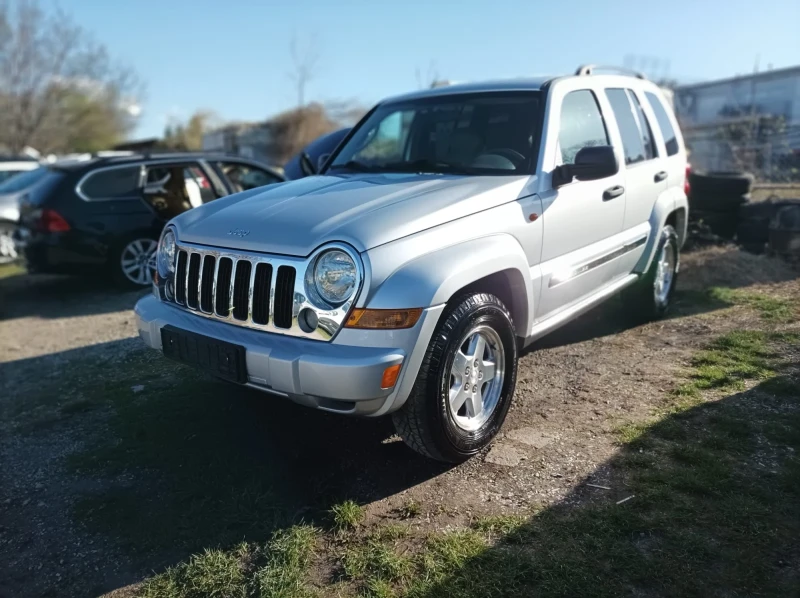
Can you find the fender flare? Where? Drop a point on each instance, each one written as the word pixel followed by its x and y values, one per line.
pixel 667 204
pixel 434 278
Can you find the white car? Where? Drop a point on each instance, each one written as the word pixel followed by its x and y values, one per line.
pixel 448 230
pixel 9 195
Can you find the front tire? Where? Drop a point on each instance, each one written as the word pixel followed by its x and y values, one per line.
pixel 465 384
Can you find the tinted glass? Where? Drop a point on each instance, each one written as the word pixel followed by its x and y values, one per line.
pixel 115 183
pixel 23 180
pixel 667 131
pixel 581 124
pixel 243 176
pixel 485 133
pixel 648 141
pixel 632 142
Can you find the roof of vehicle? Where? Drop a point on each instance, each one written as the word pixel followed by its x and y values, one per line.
pixel 91 161
pixel 521 84
pixel 524 84
pixel 17 159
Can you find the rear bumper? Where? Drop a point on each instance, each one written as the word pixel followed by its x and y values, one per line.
pixel 343 376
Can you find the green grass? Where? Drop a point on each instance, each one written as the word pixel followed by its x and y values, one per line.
pixel 410 509
pixel 347 515
pixel 11 269
pixel 771 309
pixel 277 570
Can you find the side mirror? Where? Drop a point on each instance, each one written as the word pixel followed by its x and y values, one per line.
pixel 591 163
pixel 306 165
pixel 321 160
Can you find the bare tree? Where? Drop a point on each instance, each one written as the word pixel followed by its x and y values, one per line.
pixel 305 59
pixel 53 76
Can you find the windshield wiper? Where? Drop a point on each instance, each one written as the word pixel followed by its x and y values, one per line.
pixel 423 165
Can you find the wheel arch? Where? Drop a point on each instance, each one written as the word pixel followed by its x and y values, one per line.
pixel 672 209
pixel 494 264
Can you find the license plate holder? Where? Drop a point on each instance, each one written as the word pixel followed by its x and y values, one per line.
pixel 222 359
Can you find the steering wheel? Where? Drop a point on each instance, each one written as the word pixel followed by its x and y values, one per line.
pixel 513 155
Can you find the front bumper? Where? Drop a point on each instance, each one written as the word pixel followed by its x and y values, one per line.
pixel 343 376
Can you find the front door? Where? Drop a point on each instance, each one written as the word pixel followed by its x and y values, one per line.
pixel 583 219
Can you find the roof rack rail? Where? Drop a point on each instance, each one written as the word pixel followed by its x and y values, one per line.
pixel 588 69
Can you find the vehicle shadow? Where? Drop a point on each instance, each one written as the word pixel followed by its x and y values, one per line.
pixel 701 503
pixel 174 461
pixel 56 296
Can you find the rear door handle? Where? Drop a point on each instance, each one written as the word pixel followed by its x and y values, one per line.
pixel 660 176
pixel 613 192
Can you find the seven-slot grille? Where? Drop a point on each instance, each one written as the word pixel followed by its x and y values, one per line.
pixel 242 288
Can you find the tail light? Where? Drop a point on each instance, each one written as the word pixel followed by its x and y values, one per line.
pixel 686 186
pixel 52 222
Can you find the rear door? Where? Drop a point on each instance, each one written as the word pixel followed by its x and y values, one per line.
pixel 645 170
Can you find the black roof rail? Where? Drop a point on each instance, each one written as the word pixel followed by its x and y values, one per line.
pixel 588 69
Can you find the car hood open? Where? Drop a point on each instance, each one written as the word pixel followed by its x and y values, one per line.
pixel 364 210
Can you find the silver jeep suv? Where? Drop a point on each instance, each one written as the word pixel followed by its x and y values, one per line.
pixel 451 228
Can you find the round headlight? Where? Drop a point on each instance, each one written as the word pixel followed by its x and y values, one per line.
pixel 166 254
pixel 335 276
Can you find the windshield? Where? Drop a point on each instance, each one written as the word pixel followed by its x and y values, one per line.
pixel 486 133
pixel 22 180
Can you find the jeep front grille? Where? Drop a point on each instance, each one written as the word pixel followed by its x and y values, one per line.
pixel 248 289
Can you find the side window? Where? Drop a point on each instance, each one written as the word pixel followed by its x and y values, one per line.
pixel 171 189
pixel 112 183
pixel 581 124
pixel 632 139
pixel 667 131
pixel 243 176
pixel 387 142
pixel 648 140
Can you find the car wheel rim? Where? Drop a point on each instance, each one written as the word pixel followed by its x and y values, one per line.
pixel 476 378
pixel 138 261
pixel 665 273
pixel 7 249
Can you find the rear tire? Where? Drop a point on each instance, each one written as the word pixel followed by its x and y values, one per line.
pixel 650 297
pixel 457 407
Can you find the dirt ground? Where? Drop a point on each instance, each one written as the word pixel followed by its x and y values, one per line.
pixel 575 388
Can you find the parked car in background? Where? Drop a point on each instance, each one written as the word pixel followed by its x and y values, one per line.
pixel 104 215
pixel 16 175
pixel 13 165
pixel 452 227
pixel 316 152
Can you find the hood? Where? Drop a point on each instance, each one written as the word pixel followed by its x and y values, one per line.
pixel 365 210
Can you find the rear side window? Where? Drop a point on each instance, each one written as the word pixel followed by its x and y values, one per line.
pixel 581 124
pixel 667 131
pixel 113 183
pixel 633 140
pixel 23 180
pixel 646 132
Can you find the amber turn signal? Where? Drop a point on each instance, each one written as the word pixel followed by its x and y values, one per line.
pixel 383 319
pixel 390 376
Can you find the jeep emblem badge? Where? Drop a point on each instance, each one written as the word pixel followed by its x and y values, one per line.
pixel 238 232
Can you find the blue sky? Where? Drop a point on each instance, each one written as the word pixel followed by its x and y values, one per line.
pixel 232 57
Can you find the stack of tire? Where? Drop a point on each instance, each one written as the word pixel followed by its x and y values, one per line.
pixel 718 198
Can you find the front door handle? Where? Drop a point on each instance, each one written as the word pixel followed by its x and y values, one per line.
pixel 613 192
pixel 660 176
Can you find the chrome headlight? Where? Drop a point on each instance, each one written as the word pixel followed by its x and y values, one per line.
pixel 166 254
pixel 333 277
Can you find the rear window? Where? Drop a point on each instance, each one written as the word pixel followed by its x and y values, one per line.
pixel 42 189
pixel 664 123
pixel 22 180
pixel 112 183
